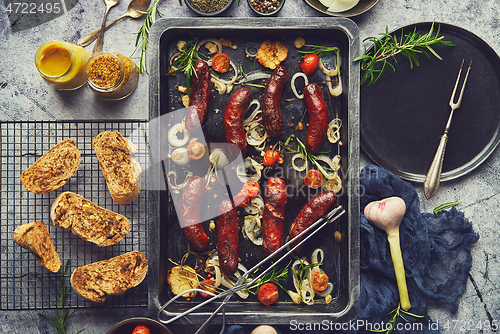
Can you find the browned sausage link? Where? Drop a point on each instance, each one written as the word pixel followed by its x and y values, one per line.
pixel 273 222
pixel 271 101
pixel 190 213
pixel 316 208
pixel 200 96
pixel 233 121
pixel 318 117
pixel 227 237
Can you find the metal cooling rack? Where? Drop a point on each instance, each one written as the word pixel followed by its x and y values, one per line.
pixel 24 283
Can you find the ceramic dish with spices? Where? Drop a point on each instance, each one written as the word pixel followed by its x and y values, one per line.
pixel 266 7
pixel 209 7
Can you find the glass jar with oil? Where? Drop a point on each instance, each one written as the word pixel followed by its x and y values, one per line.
pixel 62 64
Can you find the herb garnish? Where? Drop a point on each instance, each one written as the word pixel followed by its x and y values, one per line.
pixel 274 276
pixel 319 50
pixel 395 314
pixel 61 318
pixel 185 61
pixel 312 158
pixel 143 34
pixel 444 207
pixel 387 47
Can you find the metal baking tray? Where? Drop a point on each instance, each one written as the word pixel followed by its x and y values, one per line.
pixel 165 235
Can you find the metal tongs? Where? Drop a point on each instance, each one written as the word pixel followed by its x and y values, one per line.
pixel 241 284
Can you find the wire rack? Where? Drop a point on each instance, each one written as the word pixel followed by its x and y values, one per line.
pixel 24 283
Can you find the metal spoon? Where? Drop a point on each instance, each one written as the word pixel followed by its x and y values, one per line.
pixel 134 9
pixel 100 37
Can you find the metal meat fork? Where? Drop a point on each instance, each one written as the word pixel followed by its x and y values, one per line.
pixel 431 182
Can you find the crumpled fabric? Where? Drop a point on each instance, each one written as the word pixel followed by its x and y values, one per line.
pixel 436 255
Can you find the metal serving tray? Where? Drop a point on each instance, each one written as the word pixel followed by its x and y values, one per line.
pixel 165 235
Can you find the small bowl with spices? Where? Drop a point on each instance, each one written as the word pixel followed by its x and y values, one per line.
pixel 209 7
pixel 266 7
pixel 112 76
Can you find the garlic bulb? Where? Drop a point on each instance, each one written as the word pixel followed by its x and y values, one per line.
pixel 264 329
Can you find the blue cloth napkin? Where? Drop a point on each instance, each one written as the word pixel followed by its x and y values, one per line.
pixel 436 254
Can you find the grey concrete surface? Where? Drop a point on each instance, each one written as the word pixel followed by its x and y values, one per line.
pixel 24 96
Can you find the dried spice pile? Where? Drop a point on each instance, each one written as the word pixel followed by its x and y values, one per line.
pixel 209 6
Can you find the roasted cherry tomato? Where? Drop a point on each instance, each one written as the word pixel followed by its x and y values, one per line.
pixel 241 199
pixel 209 285
pixel 309 63
pixel 220 62
pixel 141 329
pixel 251 188
pixel 270 157
pixel 319 281
pixel 268 293
pixel 313 179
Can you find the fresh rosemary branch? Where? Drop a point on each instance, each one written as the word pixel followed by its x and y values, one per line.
pixel 319 50
pixel 274 276
pixel 61 318
pixel 375 61
pixel 395 314
pixel 312 159
pixel 186 60
pixel 143 34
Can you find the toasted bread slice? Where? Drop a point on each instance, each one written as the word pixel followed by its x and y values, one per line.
pixel 88 220
pixel 35 238
pixel 121 171
pixel 109 277
pixel 53 169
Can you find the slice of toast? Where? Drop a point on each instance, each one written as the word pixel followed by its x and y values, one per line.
pixel 121 171
pixel 88 220
pixel 35 238
pixel 52 170
pixel 109 277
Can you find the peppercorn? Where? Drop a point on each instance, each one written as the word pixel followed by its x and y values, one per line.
pixel 266 6
pixel 208 6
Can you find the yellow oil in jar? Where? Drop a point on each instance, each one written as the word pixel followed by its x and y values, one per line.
pixel 55 61
pixel 62 64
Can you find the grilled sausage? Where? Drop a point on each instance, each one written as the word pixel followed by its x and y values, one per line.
pixel 200 96
pixel 227 237
pixel 233 121
pixel 316 208
pixel 318 117
pixel 271 101
pixel 273 222
pixel 190 213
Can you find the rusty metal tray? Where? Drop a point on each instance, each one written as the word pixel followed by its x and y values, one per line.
pixel 165 235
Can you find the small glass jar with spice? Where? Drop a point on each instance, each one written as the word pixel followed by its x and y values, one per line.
pixel 62 64
pixel 112 76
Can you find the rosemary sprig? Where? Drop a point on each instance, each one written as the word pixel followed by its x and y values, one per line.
pixel 143 34
pixel 319 50
pixel 444 207
pixel 303 271
pixel 395 315
pixel 61 318
pixel 186 60
pixel 312 158
pixel 387 47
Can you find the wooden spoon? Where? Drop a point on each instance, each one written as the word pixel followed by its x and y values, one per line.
pixel 134 11
pixel 100 37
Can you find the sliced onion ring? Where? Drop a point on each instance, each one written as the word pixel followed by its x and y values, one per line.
pixel 297 168
pixel 334 183
pixel 173 186
pixel 333 132
pixel 329 72
pixel 334 91
pixel 292 83
pixel 213 40
pixel 172 135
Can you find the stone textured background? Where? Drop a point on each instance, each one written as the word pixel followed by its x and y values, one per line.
pixel 24 96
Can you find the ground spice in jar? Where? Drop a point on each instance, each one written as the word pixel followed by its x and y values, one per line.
pixel 266 6
pixel 104 71
pixel 208 6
